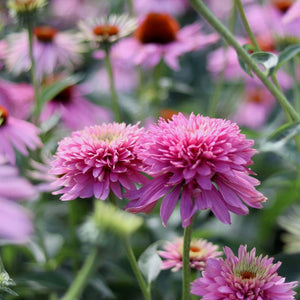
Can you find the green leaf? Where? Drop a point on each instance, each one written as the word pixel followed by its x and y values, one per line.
pixel 244 66
pixel 267 59
pixel 49 92
pixel 287 54
pixel 150 262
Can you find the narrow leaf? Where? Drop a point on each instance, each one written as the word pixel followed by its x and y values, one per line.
pixel 245 67
pixel 287 54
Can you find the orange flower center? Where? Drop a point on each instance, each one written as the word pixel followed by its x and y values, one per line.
pixel 247 275
pixel 158 29
pixel 65 95
pixel 195 249
pixel 283 5
pixel 3 115
pixel 167 113
pixel 106 30
pixel 255 96
pixel 45 34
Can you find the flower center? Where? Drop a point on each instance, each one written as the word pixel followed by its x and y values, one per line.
pixel 247 275
pixel 158 29
pixel 64 96
pixel 45 34
pixel 255 96
pixel 195 249
pixel 3 115
pixel 283 5
pixel 106 30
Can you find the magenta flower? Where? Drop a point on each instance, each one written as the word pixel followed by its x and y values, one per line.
pixel 201 161
pixel 159 37
pixel 97 160
pixel 292 13
pixel 16 133
pixel 244 277
pixel 52 49
pixel 200 251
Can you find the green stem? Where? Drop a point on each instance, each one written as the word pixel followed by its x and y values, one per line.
pixel 78 285
pixel 130 7
pixel 223 31
pixel 134 266
pixel 73 238
pixel 246 24
pixel 113 92
pixel 296 93
pixel 37 107
pixel 186 271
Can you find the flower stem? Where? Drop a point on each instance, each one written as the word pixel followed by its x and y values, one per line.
pixel 82 277
pixel 72 227
pixel 113 92
pixel 223 31
pixel 186 271
pixel 37 107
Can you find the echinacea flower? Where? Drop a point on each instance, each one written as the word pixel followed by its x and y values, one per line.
pixel 107 29
pixel 97 160
pixel 159 36
pixel 73 108
pixel 201 161
pixel 245 276
pixel 52 49
pixel 25 6
pixel 16 133
pixel 292 13
pixel 200 251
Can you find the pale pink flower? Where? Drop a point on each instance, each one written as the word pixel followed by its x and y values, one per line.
pixel 292 13
pixel 97 160
pixel 245 276
pixel 200 251
pixel 201 161
pixel 53 50
pixel 16 133
pixel 159 37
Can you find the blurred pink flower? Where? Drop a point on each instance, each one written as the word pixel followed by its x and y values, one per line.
pixel 292 13
pixel 16 133
pixel 200 251
pixel 201 161
pixel 74 109
pixel 159 37
pixel 97 160
pixel 245 276
pixel 52 49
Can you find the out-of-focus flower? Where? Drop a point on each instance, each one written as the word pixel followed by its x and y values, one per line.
pixel 292 13
pixel 16 133
pixel 245 276
pixel 97 160
pixel 25 6
pixel 52 50
pixel 254 107
pixel 17 97
pixel 172 7
pixel 159 37
pixel 201 161
pixel 291 223
pixel 200 251
pixel 107 29
pixel 73 108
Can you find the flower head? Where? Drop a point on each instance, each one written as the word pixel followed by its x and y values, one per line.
pixel 97 160
pixel 107 29
pixel 245 276
pixel 25 6
pixel 200 251
pixel 201 161
pixel 16 133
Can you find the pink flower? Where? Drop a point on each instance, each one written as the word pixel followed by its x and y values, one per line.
pixel 200 251
pixel 18 134
pixel 52 50
pixel 244 277
pixel 201 161
pixel 97 160
pixel 159 37
pixel 74 109
pixel 292 13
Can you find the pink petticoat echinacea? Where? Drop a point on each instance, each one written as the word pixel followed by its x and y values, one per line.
pixel 159 36
pixel 245 276
pixel 201 161
pixel 16 133
pixel 97 160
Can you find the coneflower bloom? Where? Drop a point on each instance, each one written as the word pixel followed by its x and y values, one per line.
pixel 201 161
pixel 292 13
pixel 52 49
pixel 245 276
pixel 107 29
pixel 200 251
pixel 159 36
pixel 97 160
pixel 16 133
pixel 73 108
